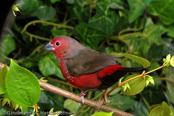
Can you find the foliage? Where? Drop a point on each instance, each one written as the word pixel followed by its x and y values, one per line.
pixel 102 114
pixel 22 86
pixel 163 110
pixel 142 28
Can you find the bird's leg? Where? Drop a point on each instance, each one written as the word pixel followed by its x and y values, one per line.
pixel 82 94
pixel 105 97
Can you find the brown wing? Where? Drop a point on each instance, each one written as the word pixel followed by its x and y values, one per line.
pixel 88 61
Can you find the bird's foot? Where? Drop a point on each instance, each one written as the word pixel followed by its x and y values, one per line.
pixel 82 94
pixel 105 97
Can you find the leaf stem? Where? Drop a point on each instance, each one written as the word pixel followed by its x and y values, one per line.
pixel 126 30
pixel 45 23
pixel 36 36
pixel 131 34
pixel 165 79
pixel 145 101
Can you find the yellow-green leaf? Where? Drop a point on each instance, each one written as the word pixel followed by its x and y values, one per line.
pixel 156 111
pixel 3 74
pixel 125 86
pixel 172 61
pixel 166 109
pixel 5 101
pixel 71 105
pixel 145 63
pixel 162 110
pixel 136 85
pixel 102 114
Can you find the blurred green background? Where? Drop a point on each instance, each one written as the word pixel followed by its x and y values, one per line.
pixel 141 27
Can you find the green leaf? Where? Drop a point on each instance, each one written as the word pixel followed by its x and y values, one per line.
pixel 143 45
pixel 44 13
pixel 163 110
pixel 121 102
pixel 167 60
pixel 79 10
pixel 22 86
pixel 170 30
pixel 54 1
pixel 150 93
pixel 89 36
pixel 136 85
pixel 163 9
pixel 116 4
pixel 121 23
pixel 3 74
pixel 71 105
pixel 50 100
pixel 137 8
pixel 49 65
pixel 168 57
pixel 172 61
pixel 169 48
pixel 28 6
pixel 101 21
pixel 166 109
pixel 24 109
pixel 125 87
pixel 70 1
pixel 58 32
pixel 5 101
pixel 15 8
pixel 139 109
pixel 102 114
pixel 2 90
pixel 170 86
pixel 155 52
pixel 148 1
pixel 8 45
pixel 156 111
pixel 145 63
pixel 153 34
pixel 149 79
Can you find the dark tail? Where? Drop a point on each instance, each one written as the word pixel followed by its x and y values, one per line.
pixel 132 69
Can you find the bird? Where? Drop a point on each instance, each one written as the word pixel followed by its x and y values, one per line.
pixel 86 68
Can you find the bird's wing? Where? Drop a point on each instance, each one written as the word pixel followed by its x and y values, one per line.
pixel 88 61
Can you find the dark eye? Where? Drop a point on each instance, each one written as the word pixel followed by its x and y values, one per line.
pixel 57 43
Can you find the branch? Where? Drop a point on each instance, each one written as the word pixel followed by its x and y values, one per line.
pixel 77 98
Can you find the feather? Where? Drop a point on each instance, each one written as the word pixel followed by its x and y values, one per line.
pixel 88 61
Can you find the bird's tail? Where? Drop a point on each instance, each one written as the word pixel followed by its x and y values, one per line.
pixel 125 69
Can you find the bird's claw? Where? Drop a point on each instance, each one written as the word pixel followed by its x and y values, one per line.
pixel 105 97
pixel 82 94
pixel 107 100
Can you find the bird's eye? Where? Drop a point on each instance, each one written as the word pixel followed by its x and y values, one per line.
pixel 57 43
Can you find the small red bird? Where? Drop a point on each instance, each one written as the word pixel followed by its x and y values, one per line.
pixel 86 68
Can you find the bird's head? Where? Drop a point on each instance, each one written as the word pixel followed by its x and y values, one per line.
pixel 63 46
